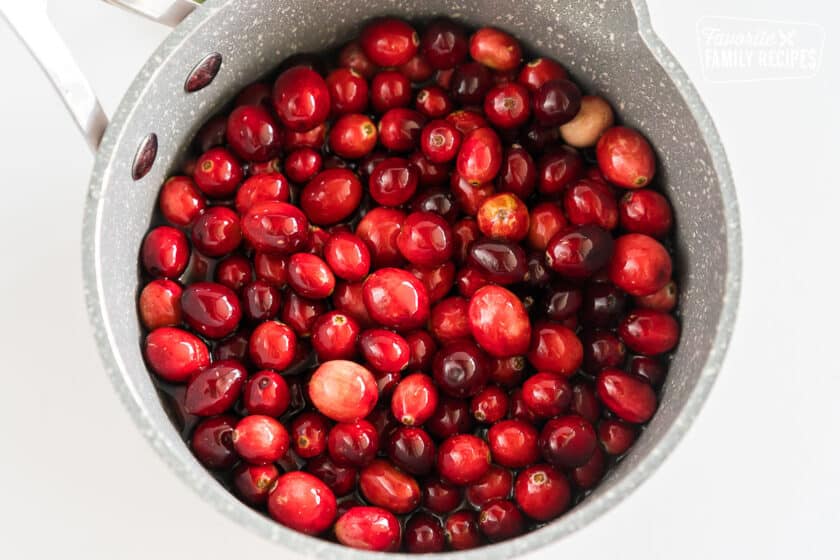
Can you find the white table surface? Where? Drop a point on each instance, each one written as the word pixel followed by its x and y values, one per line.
pixel 756 477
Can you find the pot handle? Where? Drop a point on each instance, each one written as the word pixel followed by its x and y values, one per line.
pixel 30 21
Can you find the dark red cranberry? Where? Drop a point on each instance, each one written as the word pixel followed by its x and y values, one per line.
pixel 590 474
pixel 547 394
pixel 603 305
pixel 235 272
pixel 463 459
pixel 334 336
pixel 313 138
pixel 347 298
pixel 616 436
pixel 272 346
pixel 216 232
pixel 500 520
pixel 348 91
pixel 343 391
pixel 353 444
pixel 253 482
pixel 557 168
pixel 217 173
pixel 260 439
pixel 539 71
pixel 440 141
pixel 300 313
pixel 389 41
pixel 386 382
pixel 331 196
pixel 649 332
pixel 556 102
pixel 470 83
pixel 465 232
pixel 562 301
pixel 470 197
pixel 234 347
pixel 422 349
pixel 496 49
pixel 211 309
pixel 352 56
pixel 519 410
pixel 602 349
pixel 275 227
pixel 393 182
pixel 433 102
pixel 461 530
pixel 165 252
pixel 384 350
pixel 469 280
pixel 640 265
pixel 379 229
pixel 441 497
pixel 496 484
pixel 431 174
pixel 341 480
pixel 369 528
pixel 417 69
pixel 497 320
pixel 352 136
pixel 461 369
pixel 302 164
pixel 437 200
pixel 537 139
pixel 568 441
pixel 542 492
pixel 253 134
pixel 308 433
pixel 452 416
pixel 212 442
pixel 266 393
pixel 513 443
pixel 444 44
pixel 480 156
pixel 214 390
pixel 396 299
pixel 301 98
pixel 625 157
pixel 180 201
pixel 389 89
pixel 160 304
pixel 303 503
pixel 399 129
pixel 650 368
pixel 415 400
pixel 271 268
pixel 412 450
pixel 508 105
pixel 579 252
pixel 518 174
pixel 261 301
pixel 507 372
pixel 555 348
pixel 587 201
pixel 500 261
pixel 423 533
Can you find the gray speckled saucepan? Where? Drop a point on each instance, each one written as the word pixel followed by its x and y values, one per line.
pixel 610 49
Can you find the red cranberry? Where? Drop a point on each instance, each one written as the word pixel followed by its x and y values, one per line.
pixel 470 197
pixel 590 202
pixel 616 436
pixel 165 252
pixel 547 394
pixel 399 129
pixel 214 390
pixel 664 299
pixel 495 48
pixel 460 369
pixel 504 217
pixel 555 348
pixel 389 89
pixel 557 168
pixel 448 320
pixel 496 484
pixel 433 102
pixel 500 520
pixel 274 165
pixel 444 44
pixel 602 349
pixel 217 173
pixel 417 69
pixel 441 497
pixel 625 157
pixel 469 280
pixel 382 484
pixel 422 347
pixel 386 382
pixel 438 280
pixel 396 299
pixel 508 105
pixel 547 219
pixel 431 174
pixel 568 441
pixel 384 350
pixel 272 346
pixel 480 156
pixel 216 232
pixel 423 534
pixel 260 439
pixel 266 393
pixel 556 102
pixel 275 227
pixel 440 141
pixel 507 372
pixel 352 136
pixel 341 480
pixel 260 300
pixel 160 304
pixel 211 309
pixel 465 232
pixel 331 196
pixel 389 41
pixel 412 450
pixel 348 256
pixel 539 71
pixel 467 120
pixel 461 530
pixel 518 174
pixel 302 164
pixel 513 443
pixel 308 433
pixel 302 502
pixel 212 442
pixel 347 298
pixel 590 474
pixel 501 262
pixel 271 268
pixel 310 276
pixel 425 239
pixel 379 229
pixel 334 336
pixel 180 201
pixel 603 305
pixel 369 528
pixel 300 313
pixel 649 332
pixel 313 138
pixel 542 492
pixel 353 444
pixel 301 98
pixel 343 390
pixel 645 211
pixel 470 83
pixel 253 482
pixel 463 459
pixel 499 322
pixel 253 134
pixel 352 56
pixel 414 400
pixel 348 91
pixel 235 272
pixel 579 252
pixel 452 416
pixel 393 182
pixel 640 265
pixel 649 368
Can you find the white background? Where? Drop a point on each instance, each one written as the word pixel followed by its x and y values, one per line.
pixel 756 477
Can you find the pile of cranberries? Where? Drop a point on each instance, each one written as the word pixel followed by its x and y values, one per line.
pixel 412 295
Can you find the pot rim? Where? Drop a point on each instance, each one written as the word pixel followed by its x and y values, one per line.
pixel 202 483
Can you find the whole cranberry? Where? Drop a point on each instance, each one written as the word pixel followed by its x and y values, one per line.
pixel 616 436
pixel 664 299
pixel 649 368
pixel 396 299
pixel 448 319
pixel 438 280
pixel 414 400
pixel 432 174
pixel 561 301
pixel 480 156
pixel 452 416
pixel 423 533
pixel 235 272
pixel 513 443
pixel 587 201
pixel 379 228
pixel 500 261
pixel 625 157
pixel 539 71
pixel 212 442
pixel 300 313
pixel 393 182
pixel 557 168
pixel 542 492
pixel 348 91
pixel 260 439
pixel 369 528
pixel 500 520
pixel 555 348
pixel 433 102
pixel 389 41
pixel 444 44
pixel 508 105
pixel 463 459
pixel 568 441
pixel 253 134
pixel 352 136
pixel 496 484
pixel 272 346
pixel 310 276
pixel 253 482
pixel 425 239
pixel 437 200
pixel 422 348
pixel 261 301
pixel 417 69
pixel 165 252
pixel 180 201
pixel 603 305
pixel 518 174
pixel 469 280
pixel 461 530
pixel 275 227
pixel 465 232
pixel 504 217
pixel 389 89
pixel 313 138
pixel 384 350
pixel 602 349
pixel 211 309
pixel 470 197
pixel 308 433
pixel 412 450
pixel 343 391
pixel 507 372
pixel 352 56
pixel 649 332
pixel 217 173
pixel 470 83
pixel 399 129
pixel 234 347
pixel 301 98
pixel 331 196
pixel 353 444
pixel 580 252
pixel 546 220
pixel 266 392
pixel 537 138
pixel 271 268
pixel 160 304
pixel 334 336
pixel 383 485
pixel 302 164
pixel 556 102
pixel 590 474
pixel 441 497
pixel 496 49
pixel 645 211
pixel 547 394
pixel 348 256
pixel 498 322
pixel 440 141
pixel 341 480
pixel 213 390
pixel 460 369
pixel 640 265
pixel 467 120
pixel 347 298
pixel 216 232
pixel 302 502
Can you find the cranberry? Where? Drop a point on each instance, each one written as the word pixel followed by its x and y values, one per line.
pixel 441 497
pixel 504 217
pixel 341 480
pixel 439 201
pixel 547 394
pixel 556 102
pixel 352 56
pixel 494 485
pixel 649 332
pixel 495 48
pixel 214 390
pixel 300 313
pixel 180 201
pixel 461 530
pixel 301 98
pixel 310 276
pixel 353 444
pixel 217 173
pixel 331 196
pixel 616 436
pixel 275 227
pixel 500 520
pixel 417 69
pixel 235 272
pixel 393 182
pixel 386 382
pixel 438 280
pixel 422 348
pixel 603 305
pixel 272 346
pixel 423 534
pixel 590 474
pixel 253 134
pixel 433 102
pixel 425 239
pixel 271 268
pixel 470 83
pixel 399 129
pixel 518 174
pixel 396 299
pixel 266 392
pixel 499 322
pixel 500 261
pixel 448 320
pixel 465 232
pixel 211 309
pixel 480 156
pixel 452 416
pixel 389 89
pixel 568 441
pixel 645 211
pixel 513 443
pixel 602 349
pixel 547 219
pixel 384 350
pixel 313 138
pixel 160 304
pixel 347 256
pixel 382 484
pixel 379 229
pixel 469 280
pixel 302 164
pixel 414 400
pixel 555 348
pixel 343 390
pixel 542 492
pixel 347 298
pixel 234 347
pixel 369 528
pixel 412 450
pixel 591 202
pixel 650 368
pixel 579 252
pixel 260 301
pixel 389 41
pixel 557 168
pixel 470 197
pixel 348 91
pixel 253 482
pixel 309 434
pixel 460 369
pixel 165 252
pixel 444 44
pixel 212 442
pixel 302 502
pixel 463 459
pixel 664 299
pixel 641 265
pixel 562 301
pixel 440 141
pixel 539 71
pixel 274 165
pixel 467 120
pixel 507 372
pixel 216 232
pixel 537 139
pixel 334 336
pixel 260 439
pixel 353 136
pixel 508 105
pixel 625 157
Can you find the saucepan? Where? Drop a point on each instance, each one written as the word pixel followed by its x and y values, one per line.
pixel 222 45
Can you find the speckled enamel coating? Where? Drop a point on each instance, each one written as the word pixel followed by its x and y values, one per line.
pixel 609 48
